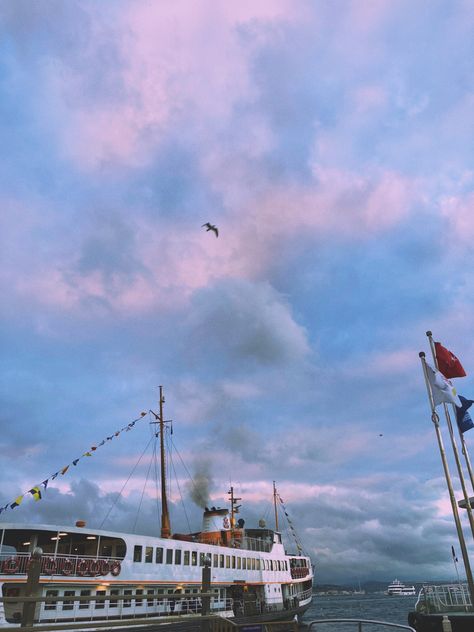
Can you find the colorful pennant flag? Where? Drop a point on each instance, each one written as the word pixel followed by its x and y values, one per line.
pixel 17 502
pixel 448 364
pixel 36 493
pixel 441 388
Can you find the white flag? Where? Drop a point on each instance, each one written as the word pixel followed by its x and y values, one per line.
pixel 442 388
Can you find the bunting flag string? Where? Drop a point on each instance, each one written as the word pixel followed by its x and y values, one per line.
pixel 290 524
pixel 35 491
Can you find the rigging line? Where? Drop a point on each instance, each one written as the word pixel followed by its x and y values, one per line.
pixel 168 466
pixel 184 465
pixel 157 496
pixel 180 495
pixel 125 484
pixel 141 499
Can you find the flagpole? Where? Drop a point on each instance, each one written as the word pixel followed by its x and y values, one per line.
pixel 466 457
pixel 454 445
pixel 454 507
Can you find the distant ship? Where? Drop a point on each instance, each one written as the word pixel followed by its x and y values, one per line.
pixel 398 589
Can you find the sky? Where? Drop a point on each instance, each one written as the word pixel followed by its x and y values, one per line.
pixel 331 143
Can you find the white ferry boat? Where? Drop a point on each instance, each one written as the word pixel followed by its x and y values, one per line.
pixel 253 577
pixel 398 589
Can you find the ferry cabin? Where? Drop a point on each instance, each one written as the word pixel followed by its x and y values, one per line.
pixel 134 575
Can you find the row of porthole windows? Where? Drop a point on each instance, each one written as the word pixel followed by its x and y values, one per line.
pixel 191 558
pixel 148 597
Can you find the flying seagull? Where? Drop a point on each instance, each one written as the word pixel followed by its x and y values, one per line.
pixel 211 227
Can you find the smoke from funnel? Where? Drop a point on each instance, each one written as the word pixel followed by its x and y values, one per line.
pixel 199 488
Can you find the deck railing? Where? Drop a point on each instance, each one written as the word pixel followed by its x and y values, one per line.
pixel 69 609
pixel 444 598
pixel 317 625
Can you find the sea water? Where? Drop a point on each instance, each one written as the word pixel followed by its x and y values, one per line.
pixel 370 606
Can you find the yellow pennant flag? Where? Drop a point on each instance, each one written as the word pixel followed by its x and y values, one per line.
pixel 36 493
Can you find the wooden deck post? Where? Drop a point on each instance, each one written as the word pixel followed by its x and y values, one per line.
pixel 32 587
pixel 206 588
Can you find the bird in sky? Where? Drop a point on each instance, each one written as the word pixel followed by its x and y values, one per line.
pixel 210 226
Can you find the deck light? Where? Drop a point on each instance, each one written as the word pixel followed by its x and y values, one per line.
pixel 91 537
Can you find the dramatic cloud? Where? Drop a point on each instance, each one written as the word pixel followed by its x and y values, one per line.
pixel 329 143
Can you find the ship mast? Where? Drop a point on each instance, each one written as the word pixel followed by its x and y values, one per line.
pixel 275 505
pixel 165 517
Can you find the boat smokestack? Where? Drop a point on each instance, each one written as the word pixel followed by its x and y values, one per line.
pixel 215 520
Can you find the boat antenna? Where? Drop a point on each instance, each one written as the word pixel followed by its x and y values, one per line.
pixel 275 505
pixel 165 517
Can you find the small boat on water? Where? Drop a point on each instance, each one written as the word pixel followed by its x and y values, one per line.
pixel 89 574
pixel 398 589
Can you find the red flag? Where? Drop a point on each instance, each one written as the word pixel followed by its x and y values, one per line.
pixel 448 364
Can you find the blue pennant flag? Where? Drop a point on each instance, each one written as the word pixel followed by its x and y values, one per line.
pixel 462 416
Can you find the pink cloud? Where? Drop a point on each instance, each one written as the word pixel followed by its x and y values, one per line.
pixel 172 58
pixel 459 212
pixel 179 260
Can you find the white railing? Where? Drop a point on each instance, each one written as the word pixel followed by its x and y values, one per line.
pixel 55 608
pixel 444 598
pixel 315 626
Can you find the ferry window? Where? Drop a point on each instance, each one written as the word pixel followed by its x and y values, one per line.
pixel 127 602
pixel 120 550
pixel 106 550
pixel 186 558
pixel 150 599
pixel 215 560
pixel 286 565
pixel 227 561
pixel 177 556
pixel 221 560
pixel 233 561
pixel 50 604
pixel 113 602
pixel 69 604
pixel 244 563
pixel 160 591
pixel 138 600
pixel 249 563
pixel 148 554
pixel 99 604
pixel 169 556
pixel 83 605
pixel 258 564
pixel 253 563
pixel 202 559
pixel 137 553
pixel 159 555
pixel 194 558
pixel 239 562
